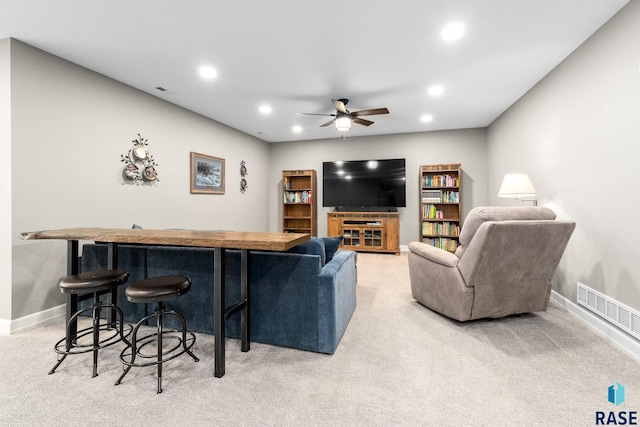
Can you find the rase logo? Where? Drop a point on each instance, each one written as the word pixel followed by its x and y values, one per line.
pixel 616 396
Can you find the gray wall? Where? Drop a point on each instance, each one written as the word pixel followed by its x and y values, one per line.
pixel 69 127
pixel 5 183
pixel 577 135
pixel 459 146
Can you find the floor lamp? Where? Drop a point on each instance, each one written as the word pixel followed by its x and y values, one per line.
pixel 519 187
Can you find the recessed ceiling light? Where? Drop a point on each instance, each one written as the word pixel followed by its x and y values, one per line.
pixel 426 118
pixel 436 90
pixel 452 31
pixel 265 109
pixel 207 72
pixel 296 129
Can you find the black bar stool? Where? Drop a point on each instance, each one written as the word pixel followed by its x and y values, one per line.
pixel 96 282
pixel 157 289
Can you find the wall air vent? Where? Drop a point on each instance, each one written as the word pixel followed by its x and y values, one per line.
pixel 625 318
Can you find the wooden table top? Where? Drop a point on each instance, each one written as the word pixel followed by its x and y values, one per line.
pixel 200 238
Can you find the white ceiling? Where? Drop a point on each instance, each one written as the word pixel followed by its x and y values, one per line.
pixel 296 55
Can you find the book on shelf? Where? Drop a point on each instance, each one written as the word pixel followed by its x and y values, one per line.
pixel 440 181
pixel 431 211
pixel 440 228
pixel 431 196
pixel 443 243
pixel 304 196
pixel 450 197
pixel 439 196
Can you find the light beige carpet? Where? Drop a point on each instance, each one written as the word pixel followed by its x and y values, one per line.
pixel 398 364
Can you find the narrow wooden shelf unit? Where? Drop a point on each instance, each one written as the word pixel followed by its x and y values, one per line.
pixel 440 205
pixel 299 208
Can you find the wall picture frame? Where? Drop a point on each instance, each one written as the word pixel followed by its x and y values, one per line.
pixel 207 174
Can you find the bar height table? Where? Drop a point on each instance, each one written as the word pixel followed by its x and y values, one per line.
pixel 219 240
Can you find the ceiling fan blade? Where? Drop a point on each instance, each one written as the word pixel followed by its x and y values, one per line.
pixel 361 121
pixel 315 114
pixel 328 123
pixel 371 112
pixel 339 105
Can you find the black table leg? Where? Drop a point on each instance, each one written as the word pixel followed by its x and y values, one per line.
pixel 221 312
pixel 112 296
pixel 218 310
pixel 72 299
pixel 72 258
pixel 245 314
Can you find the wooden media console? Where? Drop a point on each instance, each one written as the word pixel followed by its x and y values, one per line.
pixel 366 231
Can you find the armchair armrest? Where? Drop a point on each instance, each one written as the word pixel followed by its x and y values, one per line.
pixel 436 281
pixel 336 299
pixel 434 254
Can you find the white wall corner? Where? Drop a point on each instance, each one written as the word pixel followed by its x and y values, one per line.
pixel 5 326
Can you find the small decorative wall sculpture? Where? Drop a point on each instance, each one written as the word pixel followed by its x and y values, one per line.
pixel 140 165
pixel 243 174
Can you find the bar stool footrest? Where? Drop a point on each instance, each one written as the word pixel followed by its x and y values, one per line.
pixel 78 348
pixel 169 354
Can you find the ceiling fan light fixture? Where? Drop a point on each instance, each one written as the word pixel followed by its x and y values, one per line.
pixel 436 90
pixel 207 72
pixel 343 123
pixel 453 31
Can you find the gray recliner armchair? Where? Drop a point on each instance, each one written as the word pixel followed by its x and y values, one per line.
pixel 504 264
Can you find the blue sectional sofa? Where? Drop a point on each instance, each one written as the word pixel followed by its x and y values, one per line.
pixel 303 298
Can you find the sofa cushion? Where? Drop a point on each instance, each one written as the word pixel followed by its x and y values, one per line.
pixel 315 246
pixel 331 245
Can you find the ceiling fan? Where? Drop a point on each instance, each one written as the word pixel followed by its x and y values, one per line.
pixel 343 117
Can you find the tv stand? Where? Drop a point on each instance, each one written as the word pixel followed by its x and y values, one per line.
pixel 366 231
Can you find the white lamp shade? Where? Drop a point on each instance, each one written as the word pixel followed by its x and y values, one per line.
pixel 517 185
pixel 343 123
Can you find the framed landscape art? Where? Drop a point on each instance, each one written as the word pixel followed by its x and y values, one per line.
pixel 207 174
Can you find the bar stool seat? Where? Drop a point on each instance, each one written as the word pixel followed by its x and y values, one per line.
pixel 97 282
pixel 158 290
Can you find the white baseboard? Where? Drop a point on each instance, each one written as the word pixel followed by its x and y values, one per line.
pixel 8 327
pixel 617 337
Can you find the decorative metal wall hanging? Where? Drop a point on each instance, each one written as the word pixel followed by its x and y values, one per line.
pixel 243 174
pixel 140 165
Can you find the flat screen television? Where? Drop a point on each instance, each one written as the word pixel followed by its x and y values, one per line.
pixel 363 184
